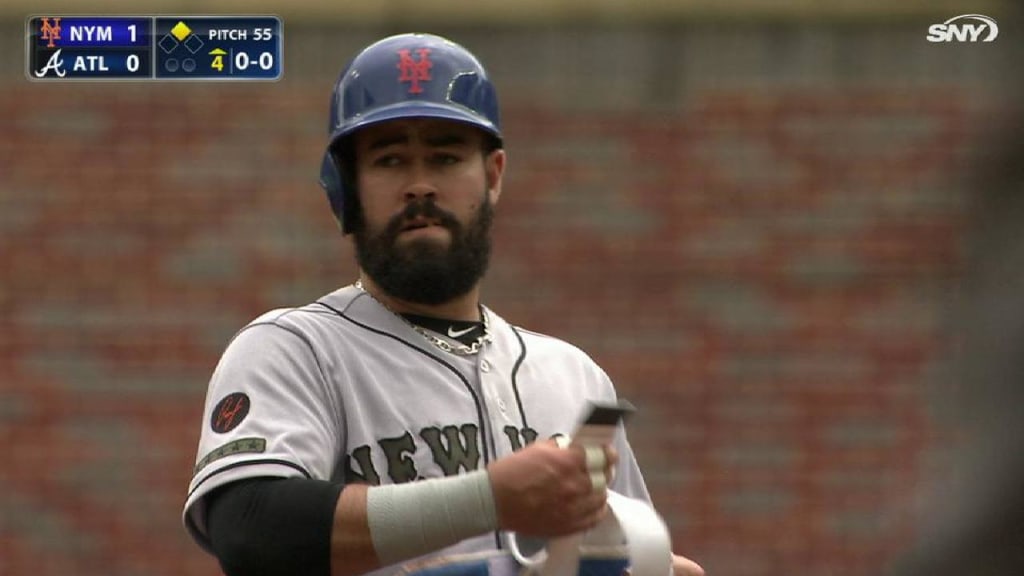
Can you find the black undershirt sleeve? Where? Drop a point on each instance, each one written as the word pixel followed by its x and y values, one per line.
pixel 273 526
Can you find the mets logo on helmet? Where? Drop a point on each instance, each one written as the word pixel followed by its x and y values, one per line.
pixel 414 71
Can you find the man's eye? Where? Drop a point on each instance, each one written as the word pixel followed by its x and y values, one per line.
pixel 446 159
pixel 387 160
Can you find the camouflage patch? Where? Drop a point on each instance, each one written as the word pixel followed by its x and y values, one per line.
pixel 240 446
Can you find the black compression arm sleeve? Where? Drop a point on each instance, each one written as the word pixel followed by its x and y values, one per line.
pixel 273 526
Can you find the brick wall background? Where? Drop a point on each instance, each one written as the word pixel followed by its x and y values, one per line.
pixel 758 230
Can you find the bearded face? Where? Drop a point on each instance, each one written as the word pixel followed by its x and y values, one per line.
pixel 423 270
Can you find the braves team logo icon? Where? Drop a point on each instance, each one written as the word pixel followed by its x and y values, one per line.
pixel 49 32
pixel 55 63
pixel 414 71
pixel 229 412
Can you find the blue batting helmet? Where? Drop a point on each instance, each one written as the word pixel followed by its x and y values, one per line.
pixel 404 76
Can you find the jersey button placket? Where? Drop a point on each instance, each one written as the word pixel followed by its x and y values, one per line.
pixel 492 388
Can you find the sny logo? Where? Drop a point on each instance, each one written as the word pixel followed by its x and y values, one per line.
pixel 962 29
pixel 413 71
pixel 50 32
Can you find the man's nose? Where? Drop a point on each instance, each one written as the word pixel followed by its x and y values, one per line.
pixel 421 184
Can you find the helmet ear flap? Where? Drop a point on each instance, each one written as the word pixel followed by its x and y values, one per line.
pixel 339 184
pixel 330 181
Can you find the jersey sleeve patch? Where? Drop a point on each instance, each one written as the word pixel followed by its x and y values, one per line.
pixel 229 412
pixel 240 446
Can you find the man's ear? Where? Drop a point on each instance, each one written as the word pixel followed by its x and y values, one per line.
pixel 494 167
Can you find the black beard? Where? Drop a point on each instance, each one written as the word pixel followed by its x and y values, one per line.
pixel 421 271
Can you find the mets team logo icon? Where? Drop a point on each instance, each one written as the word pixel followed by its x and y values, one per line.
pixel 49 32
pixel 229 412
pixel 414 71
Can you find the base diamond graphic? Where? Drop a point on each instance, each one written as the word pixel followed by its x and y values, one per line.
pixel 180 31
pixel 194 43
pixel 167 44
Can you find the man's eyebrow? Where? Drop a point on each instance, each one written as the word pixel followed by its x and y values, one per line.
pixel 447 139
pixel 439 140
pixel 388 140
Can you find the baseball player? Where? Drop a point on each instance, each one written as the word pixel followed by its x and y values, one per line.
pixel 397 423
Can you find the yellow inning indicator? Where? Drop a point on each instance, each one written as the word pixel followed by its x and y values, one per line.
pixel 218 59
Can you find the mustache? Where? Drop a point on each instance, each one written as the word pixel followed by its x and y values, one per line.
pixel 425 208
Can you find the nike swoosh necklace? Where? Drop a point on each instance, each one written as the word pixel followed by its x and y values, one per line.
pixel 452 333
pixel 456 348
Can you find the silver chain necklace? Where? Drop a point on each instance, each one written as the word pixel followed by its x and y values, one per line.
pixel 458 348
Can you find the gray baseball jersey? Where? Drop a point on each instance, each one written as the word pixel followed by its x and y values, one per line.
pixel 346 391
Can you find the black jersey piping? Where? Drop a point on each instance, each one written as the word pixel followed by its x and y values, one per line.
pixel 476 399
pixel 515 373
pixel 234 465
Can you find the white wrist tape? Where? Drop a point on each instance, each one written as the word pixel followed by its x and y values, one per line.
pixel 412 519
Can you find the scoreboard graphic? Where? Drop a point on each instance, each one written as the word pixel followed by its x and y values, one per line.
pixel 102 48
